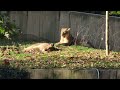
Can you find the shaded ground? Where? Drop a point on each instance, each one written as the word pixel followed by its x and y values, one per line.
pixel 13 73
pixel 68 57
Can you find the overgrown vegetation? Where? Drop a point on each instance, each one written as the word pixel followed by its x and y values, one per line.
pixel 69 57
pixel 114 13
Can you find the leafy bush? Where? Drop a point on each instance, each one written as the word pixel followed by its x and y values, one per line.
pixel 114 13
pixel 8 29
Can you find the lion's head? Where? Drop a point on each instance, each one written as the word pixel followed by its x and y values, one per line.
pixel 65 32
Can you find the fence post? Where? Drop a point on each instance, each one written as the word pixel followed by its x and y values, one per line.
pixel 107 31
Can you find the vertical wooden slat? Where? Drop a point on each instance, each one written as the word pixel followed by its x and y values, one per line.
pixel 20 18
pixel 32 26
pixel 43 24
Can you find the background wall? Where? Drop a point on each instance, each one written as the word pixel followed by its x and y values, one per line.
pixel 45 25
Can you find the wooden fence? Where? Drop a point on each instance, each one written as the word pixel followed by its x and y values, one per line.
pixel 46 25
pixel 37 25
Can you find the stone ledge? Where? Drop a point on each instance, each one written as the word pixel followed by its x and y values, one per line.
pixel 74 74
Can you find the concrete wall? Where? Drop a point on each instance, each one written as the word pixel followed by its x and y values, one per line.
pixel 74 74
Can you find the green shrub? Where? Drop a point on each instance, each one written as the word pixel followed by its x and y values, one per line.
pixel 8 29
pixel 114 13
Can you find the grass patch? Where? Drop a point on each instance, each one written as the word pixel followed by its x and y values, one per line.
pixel 69 57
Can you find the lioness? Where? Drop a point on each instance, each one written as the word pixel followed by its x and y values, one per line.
pixel 42 47
pixel 66 38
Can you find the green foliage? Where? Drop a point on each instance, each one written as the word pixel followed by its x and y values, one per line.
pixel 114 13
pixel 8 29
pixel 111 13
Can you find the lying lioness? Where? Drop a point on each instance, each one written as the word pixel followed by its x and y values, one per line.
pixel 42 47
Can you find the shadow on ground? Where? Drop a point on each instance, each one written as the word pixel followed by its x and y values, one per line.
pixel 7 72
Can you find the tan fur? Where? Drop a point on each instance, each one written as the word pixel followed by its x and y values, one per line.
pixel 42 47
pixel 66 38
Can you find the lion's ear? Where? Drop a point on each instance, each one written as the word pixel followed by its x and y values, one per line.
pixel 52 44
pixel 68 29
